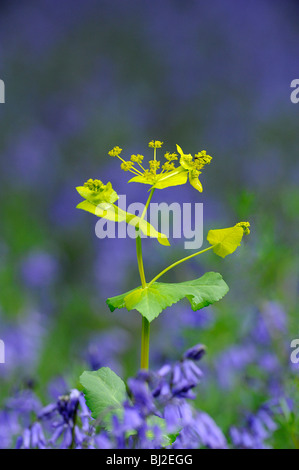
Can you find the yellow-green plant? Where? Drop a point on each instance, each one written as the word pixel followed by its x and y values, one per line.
pixel 152 297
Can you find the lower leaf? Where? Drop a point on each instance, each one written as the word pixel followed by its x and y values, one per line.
pixel 153 299
pixel 104 393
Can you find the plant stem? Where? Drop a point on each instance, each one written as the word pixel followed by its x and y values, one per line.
pixel 176 263
pixel 147 203
pixel 140 260
pixel 145 337
pixel 145 333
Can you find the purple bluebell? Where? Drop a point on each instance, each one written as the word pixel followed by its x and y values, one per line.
pixel 142 396
pixel 195 353
pixel 259 428
pixel 201 432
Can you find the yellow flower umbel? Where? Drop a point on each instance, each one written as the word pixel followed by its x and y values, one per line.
pixel 97 192
pixel 127 165
pixel 148 175
pixel 194 165
pixel 155 144
pixel 115 152
pixel 245 226
pixel 166 174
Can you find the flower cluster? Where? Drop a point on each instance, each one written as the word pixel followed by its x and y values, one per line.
pixel 245 226
pixel 170 175
pixel 155 144
pixel 66 424
pixel 93 185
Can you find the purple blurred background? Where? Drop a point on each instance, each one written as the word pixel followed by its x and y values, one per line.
pixel 84 76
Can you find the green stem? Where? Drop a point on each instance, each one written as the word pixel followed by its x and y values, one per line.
pixel 176 263
pixel 147 203
pixel 145 336
pixel 145 333
pixel 140 260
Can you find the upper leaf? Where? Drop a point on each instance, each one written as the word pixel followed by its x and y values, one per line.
pixel 151 300
pixel 225 240
pixel 172 178
pixel 164 180
pixel 104 392
pixel 116 214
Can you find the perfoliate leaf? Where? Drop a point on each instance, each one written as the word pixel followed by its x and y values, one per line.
pixel 104 392
pixel 151 300
pixel 112 212
pixel 165 180
pixel 172 178
pixel 225 240
pixel 140 179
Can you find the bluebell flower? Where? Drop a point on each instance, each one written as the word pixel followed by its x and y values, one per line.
pixel 32 438
pixel 102 441
pixel 67 423
pixel 177 414
pixel 201 432
pixel 142 396
pixel 195 353
pixel 258 429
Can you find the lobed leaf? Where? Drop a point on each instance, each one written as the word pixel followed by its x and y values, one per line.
pixel 153 299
